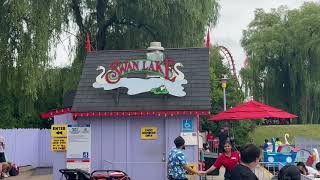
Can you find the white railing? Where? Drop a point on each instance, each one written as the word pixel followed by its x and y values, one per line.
pixel 266 170
pixel 271 171
pixel 109 165
pixel 307 178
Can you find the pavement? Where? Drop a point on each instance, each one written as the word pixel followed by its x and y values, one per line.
pixel 260 172
pixel 33 174
pixel 220 177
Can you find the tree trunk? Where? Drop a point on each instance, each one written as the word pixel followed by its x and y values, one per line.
pixel 101 34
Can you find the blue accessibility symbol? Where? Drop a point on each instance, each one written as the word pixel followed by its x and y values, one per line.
pixel 187 125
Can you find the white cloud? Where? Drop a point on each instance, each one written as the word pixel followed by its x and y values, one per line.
pixel 235 15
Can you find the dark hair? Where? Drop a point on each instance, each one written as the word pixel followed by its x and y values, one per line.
pixel 289 172
pixel 318 166
pixel 228 142
pixel 205 146
pixel 249 153
pixel 266 140
pixel 304 167
pixel 179 141
pixel 277 139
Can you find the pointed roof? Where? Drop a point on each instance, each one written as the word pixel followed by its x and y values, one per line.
pixel 251 110
pixel 208 40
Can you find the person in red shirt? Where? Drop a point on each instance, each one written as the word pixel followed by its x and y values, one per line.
pixel 210 136
pixel 210 139
pixel 228 159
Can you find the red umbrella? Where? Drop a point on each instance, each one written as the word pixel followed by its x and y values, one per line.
pixel 251 110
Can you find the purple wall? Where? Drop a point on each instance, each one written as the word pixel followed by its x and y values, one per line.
pixel 116 144
pixel 28 147
pixel 60 157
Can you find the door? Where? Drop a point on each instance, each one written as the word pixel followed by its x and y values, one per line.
pixel 147 148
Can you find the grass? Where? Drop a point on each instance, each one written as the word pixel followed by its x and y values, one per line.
pixel 267 132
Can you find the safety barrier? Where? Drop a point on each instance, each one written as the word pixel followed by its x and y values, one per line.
pixel 307 178
pixel 266 170
pixel 271 170
pixel 28 147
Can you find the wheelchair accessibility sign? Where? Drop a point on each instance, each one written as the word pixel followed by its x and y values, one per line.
pixel 187 125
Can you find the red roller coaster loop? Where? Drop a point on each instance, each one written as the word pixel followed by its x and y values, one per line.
pixel 230 60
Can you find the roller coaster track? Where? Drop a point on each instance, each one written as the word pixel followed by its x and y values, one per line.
pixel 227 55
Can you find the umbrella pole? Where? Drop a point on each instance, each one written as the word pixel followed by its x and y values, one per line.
pixel 231 135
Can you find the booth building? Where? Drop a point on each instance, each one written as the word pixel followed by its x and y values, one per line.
pixel 136 103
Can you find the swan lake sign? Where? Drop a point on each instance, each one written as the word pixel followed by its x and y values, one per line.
pixel 159 76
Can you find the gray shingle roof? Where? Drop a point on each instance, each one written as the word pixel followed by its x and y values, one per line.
pixel 196 71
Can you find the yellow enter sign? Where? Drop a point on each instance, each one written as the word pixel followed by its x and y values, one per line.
pixel 59 130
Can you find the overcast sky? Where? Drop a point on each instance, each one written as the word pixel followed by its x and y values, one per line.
pixel 235 15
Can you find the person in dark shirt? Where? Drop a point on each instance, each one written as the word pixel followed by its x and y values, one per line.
pixel 303 169
pixel 249 156
pixel 223 136
pixel 289 172
pixel 318 168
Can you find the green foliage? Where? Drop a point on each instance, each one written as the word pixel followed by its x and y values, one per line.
pixel 267 132
pixel 122 24
pixel 30 30
pixel 283 70
pixel 234 95
pixel 27 33
pixel 242 131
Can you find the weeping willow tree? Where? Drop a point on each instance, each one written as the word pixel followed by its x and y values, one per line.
pixel 283 69
pixel 122 24
pixel 30 31
pixel 27 33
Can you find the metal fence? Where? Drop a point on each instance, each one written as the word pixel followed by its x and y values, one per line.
pixel 213 146
pixel 268 171
pixel 28 147
pixel 307 178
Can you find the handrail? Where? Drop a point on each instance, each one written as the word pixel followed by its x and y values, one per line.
pixel 279 165
pixel 136 162
pixel 267 170
pixel 111 164
pixel 303 177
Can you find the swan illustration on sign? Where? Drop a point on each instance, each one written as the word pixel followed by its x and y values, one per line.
pixel 162 77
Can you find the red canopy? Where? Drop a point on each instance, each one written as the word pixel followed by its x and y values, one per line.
pixel 251 110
